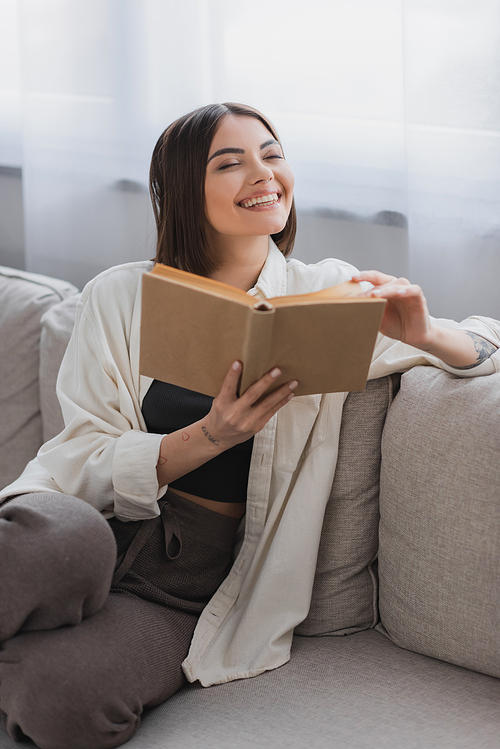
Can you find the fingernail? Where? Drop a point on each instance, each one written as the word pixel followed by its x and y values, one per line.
pixel 293 384
pixel 289 397
pixel 236 366
pixel 275 372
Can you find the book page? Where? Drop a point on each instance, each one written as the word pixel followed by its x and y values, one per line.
pixel 191 280
pixel 343 291
pixel 346 291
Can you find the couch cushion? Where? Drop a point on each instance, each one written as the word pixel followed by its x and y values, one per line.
pixel 354 692
pixel 440 519
pixel 57 326
pixel 24 297
pixel 344 598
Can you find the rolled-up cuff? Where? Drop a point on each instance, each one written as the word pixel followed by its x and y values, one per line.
pixel 486 367
pixel 135 480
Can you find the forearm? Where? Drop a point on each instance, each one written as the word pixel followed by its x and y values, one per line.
pixel 231 420
pixel 183 451
pixel 458 348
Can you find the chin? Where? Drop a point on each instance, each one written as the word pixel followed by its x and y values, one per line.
pixel 277 229
pixel 271 226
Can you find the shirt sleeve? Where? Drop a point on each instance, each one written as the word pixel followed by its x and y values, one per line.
pixel 103 455
pixel 394 356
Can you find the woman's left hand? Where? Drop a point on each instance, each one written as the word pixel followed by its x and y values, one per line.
pixel 406 317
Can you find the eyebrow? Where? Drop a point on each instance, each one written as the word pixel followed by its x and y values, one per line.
pixel 222 151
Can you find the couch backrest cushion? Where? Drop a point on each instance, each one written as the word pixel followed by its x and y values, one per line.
pixel 24 297
pixel 344 598
pixel 57 326
pixel 440 519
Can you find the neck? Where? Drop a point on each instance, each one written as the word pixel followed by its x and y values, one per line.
pixel 241 260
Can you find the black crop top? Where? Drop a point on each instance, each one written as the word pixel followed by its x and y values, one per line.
pixel 167 408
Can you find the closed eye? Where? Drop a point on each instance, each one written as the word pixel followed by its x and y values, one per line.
pixel 223 167
pixel 226 166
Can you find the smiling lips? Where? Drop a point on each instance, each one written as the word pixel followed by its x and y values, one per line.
pixel 269 199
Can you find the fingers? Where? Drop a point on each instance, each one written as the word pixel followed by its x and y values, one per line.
pixel 230 385
pixel 272 408
pixel 373 276
pixel 234 419
pixel 257 390
pixel 387 287
pixel 254 393
pixel 377 278
pixel 400 288
pixel 278 397
pixel 265 409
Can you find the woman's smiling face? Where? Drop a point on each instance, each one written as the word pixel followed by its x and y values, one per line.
pixel 248 184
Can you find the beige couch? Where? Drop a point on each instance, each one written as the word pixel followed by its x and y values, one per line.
pixel 401 647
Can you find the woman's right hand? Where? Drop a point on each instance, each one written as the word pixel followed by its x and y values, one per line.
pixel 234 419
pixel 231 420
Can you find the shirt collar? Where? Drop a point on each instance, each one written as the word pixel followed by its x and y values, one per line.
pixel 272 279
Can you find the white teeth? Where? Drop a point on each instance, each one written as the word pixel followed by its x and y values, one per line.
pixel 272 198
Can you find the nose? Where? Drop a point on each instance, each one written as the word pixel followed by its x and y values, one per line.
pixel 262 173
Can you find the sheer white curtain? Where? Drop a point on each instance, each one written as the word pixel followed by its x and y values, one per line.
pixel 389 112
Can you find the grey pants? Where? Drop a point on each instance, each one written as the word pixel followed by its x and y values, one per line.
pixel 89 638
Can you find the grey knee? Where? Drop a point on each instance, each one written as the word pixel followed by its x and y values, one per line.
pixel 58 555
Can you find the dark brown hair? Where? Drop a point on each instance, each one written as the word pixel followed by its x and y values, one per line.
pixel 177 188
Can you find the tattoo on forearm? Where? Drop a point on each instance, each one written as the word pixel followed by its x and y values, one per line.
pixel 161 460
pixel 483 347
pixel 209 436
pixel 185 436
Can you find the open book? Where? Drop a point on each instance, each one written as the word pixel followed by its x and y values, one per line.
pixel 193 328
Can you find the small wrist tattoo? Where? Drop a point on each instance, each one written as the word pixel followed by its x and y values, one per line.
pixel 161 460
pixel 209 436
pixel 185 436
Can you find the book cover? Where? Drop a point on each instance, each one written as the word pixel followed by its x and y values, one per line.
pixel 193 328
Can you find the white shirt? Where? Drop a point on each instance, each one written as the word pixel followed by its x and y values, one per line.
pixel 106 457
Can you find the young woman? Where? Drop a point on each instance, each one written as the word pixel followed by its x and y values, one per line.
pixel 103 599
